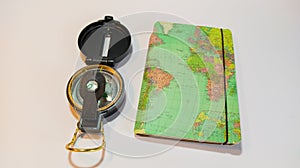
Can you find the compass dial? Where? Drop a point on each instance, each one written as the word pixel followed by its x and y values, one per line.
pixel 112 96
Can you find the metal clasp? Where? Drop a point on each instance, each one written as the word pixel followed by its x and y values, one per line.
pixel 78 133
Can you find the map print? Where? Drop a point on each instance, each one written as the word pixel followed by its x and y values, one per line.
pixel 189 86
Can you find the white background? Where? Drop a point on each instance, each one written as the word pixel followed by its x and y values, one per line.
pixel 39 53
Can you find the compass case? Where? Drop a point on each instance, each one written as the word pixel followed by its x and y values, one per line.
pixel 97 90
pixel 104 42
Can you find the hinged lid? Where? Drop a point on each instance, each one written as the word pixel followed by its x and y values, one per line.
pixel 104 42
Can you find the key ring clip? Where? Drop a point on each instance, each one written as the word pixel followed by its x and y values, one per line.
pixel 70 145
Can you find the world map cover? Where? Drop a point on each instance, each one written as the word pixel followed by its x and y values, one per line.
pixel 189 88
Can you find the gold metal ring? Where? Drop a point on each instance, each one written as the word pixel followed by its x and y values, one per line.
pixel 70 145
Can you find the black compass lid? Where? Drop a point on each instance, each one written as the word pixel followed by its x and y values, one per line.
pixel 105 42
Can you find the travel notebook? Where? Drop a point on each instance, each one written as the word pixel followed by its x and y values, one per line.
pixel 189 89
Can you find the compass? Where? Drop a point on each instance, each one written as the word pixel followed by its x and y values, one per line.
pixel 96 91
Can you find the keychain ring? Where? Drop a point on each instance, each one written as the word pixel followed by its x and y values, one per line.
pixel 70 145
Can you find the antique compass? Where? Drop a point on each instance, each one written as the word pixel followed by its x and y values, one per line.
pixel 96 91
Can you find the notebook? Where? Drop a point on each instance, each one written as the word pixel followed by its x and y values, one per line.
pixel 189 88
